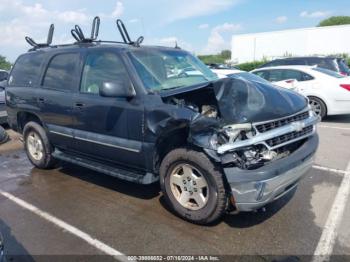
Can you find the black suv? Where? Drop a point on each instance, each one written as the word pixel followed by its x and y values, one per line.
pixel 131 112
pixel 331 63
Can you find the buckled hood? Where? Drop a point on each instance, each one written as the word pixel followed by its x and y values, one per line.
pixel 243 101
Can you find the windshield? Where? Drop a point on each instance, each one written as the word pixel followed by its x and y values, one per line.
pixel 169 69
pixel 249 77
pixel 328 72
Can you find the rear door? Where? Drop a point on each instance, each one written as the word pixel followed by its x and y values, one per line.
pixel 107 128
pixel 55 97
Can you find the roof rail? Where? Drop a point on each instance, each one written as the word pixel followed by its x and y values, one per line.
pixel 36 45
pixel 79 36
pixel 125 35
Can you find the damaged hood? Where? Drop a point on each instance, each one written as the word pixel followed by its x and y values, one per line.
pixel 242 101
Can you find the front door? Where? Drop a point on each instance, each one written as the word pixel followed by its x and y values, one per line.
pixel 107 128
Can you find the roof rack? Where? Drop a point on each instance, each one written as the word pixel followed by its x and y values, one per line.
pixel 35 45
pixel 125 35
pixel 79 36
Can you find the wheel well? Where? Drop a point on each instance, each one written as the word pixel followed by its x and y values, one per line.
pixel 321 101
pixel 24 117
pixel 168 142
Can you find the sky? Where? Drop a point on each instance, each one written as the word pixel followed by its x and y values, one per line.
pixel 199 26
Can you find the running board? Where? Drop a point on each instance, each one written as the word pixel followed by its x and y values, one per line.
pixel 140 178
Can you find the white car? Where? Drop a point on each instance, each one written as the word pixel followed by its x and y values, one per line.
pixel 328 91
pixel 223 73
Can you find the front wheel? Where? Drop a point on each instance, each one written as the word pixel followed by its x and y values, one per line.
pixel 193 186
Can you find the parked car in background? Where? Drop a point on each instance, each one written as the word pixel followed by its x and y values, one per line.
pixel 328 91
pixel 3 77
pixel 3 113
pixel 331 63
pixel 235 73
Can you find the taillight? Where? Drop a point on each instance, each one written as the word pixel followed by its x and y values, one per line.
pixel 346 86
pixel 343 73
pixel 290 81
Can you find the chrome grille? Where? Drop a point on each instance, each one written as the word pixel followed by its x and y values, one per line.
pixel 289 137
pixel 282 122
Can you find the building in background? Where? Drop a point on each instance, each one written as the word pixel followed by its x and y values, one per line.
pixel 296 42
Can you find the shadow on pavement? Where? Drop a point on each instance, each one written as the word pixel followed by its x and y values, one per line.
pixel 14 251
pixel 344 119
pixel 245 219
pixel 249 219
pixel 112 183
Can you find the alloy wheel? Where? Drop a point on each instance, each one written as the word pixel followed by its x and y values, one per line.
pixel 189 187
pixel 35 146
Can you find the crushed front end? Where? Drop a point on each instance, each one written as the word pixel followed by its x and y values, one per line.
pixel 268 159
pixel 264 138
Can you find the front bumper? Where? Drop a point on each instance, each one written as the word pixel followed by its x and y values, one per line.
pixel 253 189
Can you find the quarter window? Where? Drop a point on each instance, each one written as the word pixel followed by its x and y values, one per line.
pixel 99 68
pixel 26 70
pixel 62 71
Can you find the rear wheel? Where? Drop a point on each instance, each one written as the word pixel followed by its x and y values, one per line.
pixel 37 146
pixel 318 106
pixel 192 186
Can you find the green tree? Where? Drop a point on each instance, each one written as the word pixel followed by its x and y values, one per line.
pixel 4 64
pixel 335 20
pixel 226 54
pixel 219 58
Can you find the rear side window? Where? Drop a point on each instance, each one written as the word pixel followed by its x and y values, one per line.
pixel 62 72
pixel 295 62
pixel 275 75
pixel 295 74
pixel 274 63
pixel 262 74
pixel 99 68
pixel 329 64
pixel 26 71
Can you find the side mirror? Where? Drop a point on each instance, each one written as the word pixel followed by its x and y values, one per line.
pixel 120 88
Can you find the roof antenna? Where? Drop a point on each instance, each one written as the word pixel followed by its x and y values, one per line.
pixel 176 46
pixel 125 35
pixel 78 34
pixel 31 42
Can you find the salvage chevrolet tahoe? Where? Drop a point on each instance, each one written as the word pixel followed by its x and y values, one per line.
pixel 151 114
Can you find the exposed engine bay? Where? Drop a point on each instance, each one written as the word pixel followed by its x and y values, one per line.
pixel 240 145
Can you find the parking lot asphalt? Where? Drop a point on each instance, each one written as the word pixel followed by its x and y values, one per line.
pixel 134 220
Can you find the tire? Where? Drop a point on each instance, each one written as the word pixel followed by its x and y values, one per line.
pixel 318 106
pixel 34 132
pixel 3 136
pixel 215 203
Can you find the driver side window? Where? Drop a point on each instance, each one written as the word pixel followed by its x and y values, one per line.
pixel 99 68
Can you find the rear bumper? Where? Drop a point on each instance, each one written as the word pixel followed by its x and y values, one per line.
pixel 253 189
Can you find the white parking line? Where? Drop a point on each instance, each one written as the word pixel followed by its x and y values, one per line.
pixel 67 227
pixel 333 170
pixel 326 243
pixel 334 127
